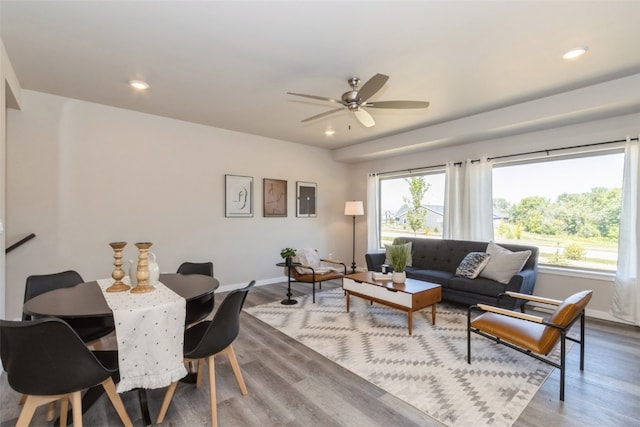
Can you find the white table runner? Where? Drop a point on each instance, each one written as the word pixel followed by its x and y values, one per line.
pixel 150 335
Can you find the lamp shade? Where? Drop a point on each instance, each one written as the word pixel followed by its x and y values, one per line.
pixel 353 208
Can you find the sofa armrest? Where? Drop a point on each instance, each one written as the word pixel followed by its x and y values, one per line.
pixel 523 282
pixel 375 260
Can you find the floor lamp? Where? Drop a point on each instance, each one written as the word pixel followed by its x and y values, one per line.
pixel 353 208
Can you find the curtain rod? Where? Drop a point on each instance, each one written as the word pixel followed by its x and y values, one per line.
pixel 409 170
pixel 547 151
pixel 595 144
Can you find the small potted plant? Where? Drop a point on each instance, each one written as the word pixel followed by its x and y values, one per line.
pixel 398 256
pixel 286 254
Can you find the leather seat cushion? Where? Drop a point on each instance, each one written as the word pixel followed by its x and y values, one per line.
pixel 528 335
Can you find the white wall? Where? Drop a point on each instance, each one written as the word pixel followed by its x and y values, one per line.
pixel 550 284
pixel 10 95
pixel 81 175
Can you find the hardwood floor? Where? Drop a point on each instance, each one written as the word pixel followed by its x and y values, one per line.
pixel 291 385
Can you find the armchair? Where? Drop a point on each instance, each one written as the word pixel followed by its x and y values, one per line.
pixel 529 334
pixel 313 271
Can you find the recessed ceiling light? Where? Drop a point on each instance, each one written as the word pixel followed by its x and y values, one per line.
pixel 329 132
pixel 575 52
pixel 139 84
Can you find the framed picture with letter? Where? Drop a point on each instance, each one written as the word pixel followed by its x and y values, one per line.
pixel 238 196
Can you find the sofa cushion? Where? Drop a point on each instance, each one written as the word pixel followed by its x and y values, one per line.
pixel 478 286
pixel 407 246
pixel 433 276
pixel 503 263
pixel 472 264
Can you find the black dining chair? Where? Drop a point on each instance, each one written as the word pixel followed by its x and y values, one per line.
pixel 89 329
pixel 47 361
pixel 201 308
pixel 204 268
pixel 209 338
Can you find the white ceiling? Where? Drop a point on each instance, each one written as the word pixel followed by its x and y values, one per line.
pixel 229 64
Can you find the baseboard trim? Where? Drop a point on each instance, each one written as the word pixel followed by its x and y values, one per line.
pixel 595 314
pixel 234 286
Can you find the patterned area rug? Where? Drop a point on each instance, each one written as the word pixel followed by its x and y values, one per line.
pixel 428 369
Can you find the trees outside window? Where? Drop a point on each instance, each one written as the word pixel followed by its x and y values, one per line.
pixel 570 208
pixel 411 205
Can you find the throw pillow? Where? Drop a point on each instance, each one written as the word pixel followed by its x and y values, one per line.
pixel 473 264
pixel 407 246
pixel 503 263
pixel 307 256
pixel 310 257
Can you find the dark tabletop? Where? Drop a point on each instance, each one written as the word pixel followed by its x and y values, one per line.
pixel 86 299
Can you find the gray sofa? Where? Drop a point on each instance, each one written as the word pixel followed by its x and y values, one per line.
pixel 436 261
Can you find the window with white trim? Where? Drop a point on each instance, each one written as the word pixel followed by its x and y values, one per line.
pixel 411 205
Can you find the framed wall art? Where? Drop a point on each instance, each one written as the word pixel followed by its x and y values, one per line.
pixel 306 199
pixel 274 197
pixel 238 196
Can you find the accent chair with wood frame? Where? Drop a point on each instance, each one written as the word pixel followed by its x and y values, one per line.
pixel 530 334
pixel 312 271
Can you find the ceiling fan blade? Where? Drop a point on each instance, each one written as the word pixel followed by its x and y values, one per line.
pixel 397 104
pixel 321 98
pixel 364 117
pixel 326 113
pixel 373 85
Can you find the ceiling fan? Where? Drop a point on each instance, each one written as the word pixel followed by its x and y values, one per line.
pixel 356 99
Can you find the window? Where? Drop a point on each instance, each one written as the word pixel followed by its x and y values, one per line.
pixel 411 205
pixel 568 207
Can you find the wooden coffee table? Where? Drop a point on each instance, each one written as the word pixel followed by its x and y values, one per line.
pixel 410 296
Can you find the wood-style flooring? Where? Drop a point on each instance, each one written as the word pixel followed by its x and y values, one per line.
pixel 291 385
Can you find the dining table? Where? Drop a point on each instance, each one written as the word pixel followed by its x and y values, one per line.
pixel 86 304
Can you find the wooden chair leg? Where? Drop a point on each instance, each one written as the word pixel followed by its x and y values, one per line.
pixel 51 411
pixel 212 391
pixel 114 397
pixel 31 403
pixel 236 369
pixel 76 403
pixel 28 409
pixel 64 409
pixel 199 375
pixel 166 402
pixel 23 398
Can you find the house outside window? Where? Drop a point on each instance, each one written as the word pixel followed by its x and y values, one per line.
pixel 568 207
pixel 402 214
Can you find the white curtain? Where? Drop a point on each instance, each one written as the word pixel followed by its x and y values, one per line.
pixel 468 212
pixel 626 296
pixel 453 190
pixel 373 213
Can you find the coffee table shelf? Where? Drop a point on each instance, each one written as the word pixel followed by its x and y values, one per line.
pixel 410 296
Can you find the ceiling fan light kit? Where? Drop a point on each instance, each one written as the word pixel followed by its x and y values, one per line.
pixel 355 99
pixel 576 52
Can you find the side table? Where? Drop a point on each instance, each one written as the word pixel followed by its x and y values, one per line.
pixel 288 300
